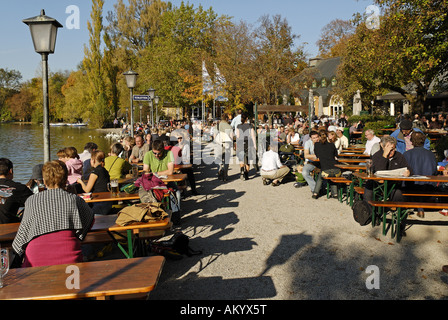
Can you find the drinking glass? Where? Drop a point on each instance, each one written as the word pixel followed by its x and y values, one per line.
pixel 135 171
pixel 114 188
pixel 4 265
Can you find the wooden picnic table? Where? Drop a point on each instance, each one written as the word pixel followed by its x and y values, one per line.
pixel 107 197
pixel 352 151
pixel 177 177
pixel 384 190
pixel 386 180
pixel 351 160
pixel 97 279
pixel 399 215
pixel 352 154
pixel 351 167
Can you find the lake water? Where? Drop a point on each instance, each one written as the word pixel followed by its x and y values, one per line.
pixel 23 144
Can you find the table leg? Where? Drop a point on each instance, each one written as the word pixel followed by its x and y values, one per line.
pixel 130 246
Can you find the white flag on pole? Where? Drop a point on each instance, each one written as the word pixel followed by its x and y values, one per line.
pixel 220 83
pixel 207 85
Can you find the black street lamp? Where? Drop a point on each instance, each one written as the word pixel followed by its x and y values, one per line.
pixel 156 100
pixel 141 113
pixel 43 33
pixel 151 93
pixel 131 81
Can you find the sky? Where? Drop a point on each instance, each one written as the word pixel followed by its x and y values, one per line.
pixel 306 18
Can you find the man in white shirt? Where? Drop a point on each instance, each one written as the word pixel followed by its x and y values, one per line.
pixel 88 149
pixel 236 121
pixel 342 141
pixel 371 141
pixel 271 167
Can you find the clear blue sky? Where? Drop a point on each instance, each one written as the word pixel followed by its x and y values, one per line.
pixel 306 17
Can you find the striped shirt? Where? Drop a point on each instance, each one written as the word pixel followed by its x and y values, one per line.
pixel 50 211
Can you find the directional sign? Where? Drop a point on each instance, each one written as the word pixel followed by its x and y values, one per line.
pixel 142 98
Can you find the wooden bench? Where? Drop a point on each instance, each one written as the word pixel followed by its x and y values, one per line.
pixel 400 215
pixel 418 193
pixel 339 181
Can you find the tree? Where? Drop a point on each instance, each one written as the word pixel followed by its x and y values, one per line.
pixel 185 39
pixel 275 60
pixel 76 93
pixel 93 66
pixel 406 54
pixel 334 37
pixel 9 85
pixel 20 104
pixel 234 47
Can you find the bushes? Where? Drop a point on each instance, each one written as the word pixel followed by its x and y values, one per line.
pixel 375 122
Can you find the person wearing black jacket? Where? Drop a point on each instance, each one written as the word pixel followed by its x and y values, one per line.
pixel 387 158
pixel 12 194
pixel 327 154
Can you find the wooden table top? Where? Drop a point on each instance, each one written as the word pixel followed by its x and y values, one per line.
pixel 351 167
pixel 353 154
pixel 356 151
pixel 354 148
pixel 107 197
pixel 351 160
pixel 177 177
pixel 410 205
pixel 98 279
pixel 429 179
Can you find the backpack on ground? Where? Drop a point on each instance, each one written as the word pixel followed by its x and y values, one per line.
pixel 362 212
pixel 288 148
pixel 175 247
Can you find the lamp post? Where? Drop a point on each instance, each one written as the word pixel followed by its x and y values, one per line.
pixel 151 93
pixel 156 100
pixel 43 33
pixel 131 80
pixel 141 113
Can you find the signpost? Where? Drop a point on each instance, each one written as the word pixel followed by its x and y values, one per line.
pixel 142 98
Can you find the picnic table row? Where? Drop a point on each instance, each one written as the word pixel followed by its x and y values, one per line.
pixel 100 279
pixel 385 185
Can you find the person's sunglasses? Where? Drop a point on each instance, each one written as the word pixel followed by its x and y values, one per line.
pixel 157 153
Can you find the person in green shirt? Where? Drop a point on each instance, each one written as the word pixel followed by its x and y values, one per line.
pixel 159 160
pixel 117 167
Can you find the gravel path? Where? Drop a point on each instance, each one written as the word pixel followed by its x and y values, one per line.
pixel 277 243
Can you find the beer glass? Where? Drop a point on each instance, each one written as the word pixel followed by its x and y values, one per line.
pixel 135 171
pixel 4 265
pixel 114 188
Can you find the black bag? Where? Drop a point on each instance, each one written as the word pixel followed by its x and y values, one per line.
pixel 288 148
pixel 362 212
pixel 178 244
